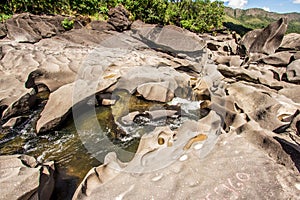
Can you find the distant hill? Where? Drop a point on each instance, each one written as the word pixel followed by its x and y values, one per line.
pixel 242 21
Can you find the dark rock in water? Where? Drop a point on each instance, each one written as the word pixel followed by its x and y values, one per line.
pixel 119 18
pixel 15 121
pixel 266 40
pixel 22 106
pixel 21 177
pixel 278 59
pixel 293 72
pixel 291 41
pixel 31 28
pixel 102 26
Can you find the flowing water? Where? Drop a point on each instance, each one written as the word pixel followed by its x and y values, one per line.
pixel 68 146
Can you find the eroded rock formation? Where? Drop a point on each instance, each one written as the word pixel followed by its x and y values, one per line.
pixel 245 93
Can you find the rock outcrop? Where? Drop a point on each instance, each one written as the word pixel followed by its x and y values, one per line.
pixel 21 177
pixel 119 18
pixel 265 41
pixel 243 94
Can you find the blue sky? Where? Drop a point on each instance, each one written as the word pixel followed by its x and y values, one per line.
pixel 281 6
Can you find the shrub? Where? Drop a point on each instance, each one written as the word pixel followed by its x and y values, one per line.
pixel 195 15
pixel 198 15
pixel 67 24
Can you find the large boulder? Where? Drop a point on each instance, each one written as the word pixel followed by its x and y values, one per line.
pixel 173 40
pixel 278 59
pixel 293 72
pixel 21 177
pixel 262 106
pixel 119 18
pixel 101 26
pixel 291 41
pixel 266 40
pixel 31 28
pixel 158 84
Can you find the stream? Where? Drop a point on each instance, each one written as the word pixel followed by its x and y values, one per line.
pixel 67 145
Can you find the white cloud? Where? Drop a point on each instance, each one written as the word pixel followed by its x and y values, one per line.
pixel 266 9
pixel 296 1
pixel 239 3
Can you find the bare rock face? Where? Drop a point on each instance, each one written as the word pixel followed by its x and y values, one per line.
pixel 119 18
pixel 170 39
pixel 101 26
pixel 30 28
pixel 291 92
pixel 265 41
pixel 161 84
pixel 291 41
pixel 293 72
pixel 278 59
pixel 22 178
pixel 120 60
pixel 3 30
pixel 189 172
pixel 248 109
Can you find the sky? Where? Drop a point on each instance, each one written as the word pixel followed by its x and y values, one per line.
pixel 280 6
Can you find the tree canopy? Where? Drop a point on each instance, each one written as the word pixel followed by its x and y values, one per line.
pixel 195 15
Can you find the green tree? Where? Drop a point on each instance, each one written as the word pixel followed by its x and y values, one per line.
pixel 198 15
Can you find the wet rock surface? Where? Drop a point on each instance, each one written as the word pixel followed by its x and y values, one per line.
pixel 233 105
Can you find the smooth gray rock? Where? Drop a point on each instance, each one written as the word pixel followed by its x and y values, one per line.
pixel 173 40
pixel 291 41
pixel 229 60
pixel 193 173
pixel 22 178
pixel 291 92
pixel 293 72
pixel 278 59
pixel 260 105
pixel 31 28
pixel 266 40
pixel 101 26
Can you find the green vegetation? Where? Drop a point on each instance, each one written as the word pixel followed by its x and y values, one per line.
pixel 67 24
pixel 4 17
pixel 195 15
pixel 242 21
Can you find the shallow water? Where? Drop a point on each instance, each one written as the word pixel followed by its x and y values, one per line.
pixel 77 147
